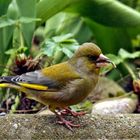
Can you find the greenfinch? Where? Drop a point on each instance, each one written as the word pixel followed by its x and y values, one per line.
pixel 64 84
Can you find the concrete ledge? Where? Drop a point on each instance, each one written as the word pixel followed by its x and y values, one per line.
pixel 93 127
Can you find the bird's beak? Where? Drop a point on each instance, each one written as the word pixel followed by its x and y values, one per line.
pixel 103 61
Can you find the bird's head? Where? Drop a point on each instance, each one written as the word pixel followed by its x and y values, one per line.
pixel 93 53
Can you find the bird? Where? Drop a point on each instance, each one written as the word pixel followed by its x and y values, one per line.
pixel 62 85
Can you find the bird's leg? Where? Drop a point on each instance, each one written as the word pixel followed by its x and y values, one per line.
pixel 73 113
pixel 63 121
pixel 63 111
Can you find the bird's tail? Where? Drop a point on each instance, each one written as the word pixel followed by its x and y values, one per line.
pixel 14 82
pixel 30 90
pixel 5 82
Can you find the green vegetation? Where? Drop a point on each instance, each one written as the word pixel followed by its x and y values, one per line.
pixel 51 30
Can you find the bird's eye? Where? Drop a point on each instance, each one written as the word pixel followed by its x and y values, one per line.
pixel 92 58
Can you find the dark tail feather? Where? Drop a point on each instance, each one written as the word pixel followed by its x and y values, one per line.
pixel 6 79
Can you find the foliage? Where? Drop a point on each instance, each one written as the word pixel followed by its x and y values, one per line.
pixel 123 55
pixel 59 48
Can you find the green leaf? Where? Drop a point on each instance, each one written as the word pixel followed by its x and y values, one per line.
pixel 69 41
pixel 4 22
pixel 109 39
pixel 7 32
pixel 107 12
pixel 115 59
pixel 62 38
pixel 27 9
pixel 3 6
pixel 64 23
pixel 84 106
pixel 72 47
pixel 13 11
pixel 28 20
pixel 67 52
pixel 49 48
pixel 60 48
pixel 48 8
pixel 126 55
pixel 54 24
pixel 8 20
pixel 58 56
pixel 10 51
pixel 130 3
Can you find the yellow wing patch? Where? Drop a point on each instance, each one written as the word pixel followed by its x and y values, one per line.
pixel 2 85
pixel 33 86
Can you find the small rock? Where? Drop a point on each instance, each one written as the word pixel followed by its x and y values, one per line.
pixel 15 126
pixel 2 114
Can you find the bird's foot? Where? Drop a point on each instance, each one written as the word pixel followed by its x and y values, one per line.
pixel 76 114
pixel 73 113
pixel 67 124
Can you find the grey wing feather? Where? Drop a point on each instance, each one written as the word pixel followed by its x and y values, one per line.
pixel 33 78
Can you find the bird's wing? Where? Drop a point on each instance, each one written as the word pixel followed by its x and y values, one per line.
pixel 46 79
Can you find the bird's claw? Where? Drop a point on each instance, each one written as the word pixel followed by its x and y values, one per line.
pixel 68 124
pixel 73 113
pixel 63 112
pixel 63 121
pixel 76 114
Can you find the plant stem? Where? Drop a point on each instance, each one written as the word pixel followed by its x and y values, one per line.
pixel 131 72
pixel 21 36
pixel 13 55
pixel 8 65
pixel 16 104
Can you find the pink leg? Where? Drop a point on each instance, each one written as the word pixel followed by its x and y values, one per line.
pixel 63 121
pixel 73 113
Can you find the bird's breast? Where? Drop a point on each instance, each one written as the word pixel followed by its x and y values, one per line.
pixel 76 91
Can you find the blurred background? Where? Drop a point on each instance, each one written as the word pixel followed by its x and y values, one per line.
pixel 39 33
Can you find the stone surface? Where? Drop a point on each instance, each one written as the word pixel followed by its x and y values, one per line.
pixel 92 127
pixel 104 89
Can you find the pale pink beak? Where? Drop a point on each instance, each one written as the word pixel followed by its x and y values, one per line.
pixel 103 61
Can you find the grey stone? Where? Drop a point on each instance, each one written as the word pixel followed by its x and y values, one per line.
pixel 92 127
